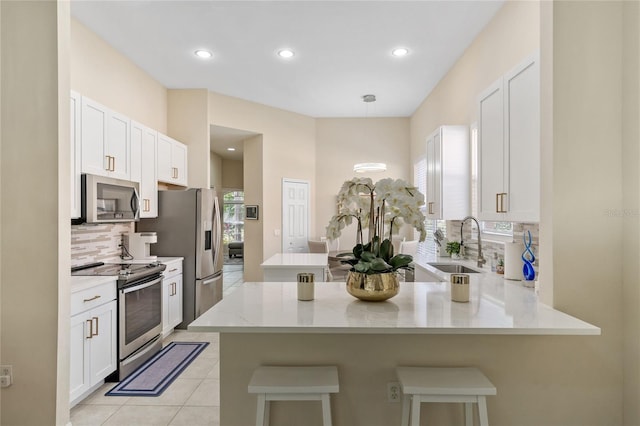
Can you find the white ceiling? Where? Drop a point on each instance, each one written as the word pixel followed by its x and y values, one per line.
pixel 343 48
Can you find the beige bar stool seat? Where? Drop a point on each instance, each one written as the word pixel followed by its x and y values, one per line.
pixel 313 383
pixel 425 384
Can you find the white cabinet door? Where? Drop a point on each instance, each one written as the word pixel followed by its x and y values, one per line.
pixel 165 146
pixel 491 164
pixel 103 341
pixel 172 161
pixel 149 179
pixel 75 154
pixel 175 301
pixel 94 138
pixel 171 296
pixel 143 167
pixel 118 146
pixel 93 348
pixel 179 163
pixel 106 148
pixel 136 135
pixel 522 141
pixel 80 380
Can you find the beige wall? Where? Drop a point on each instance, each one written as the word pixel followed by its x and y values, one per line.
pixel 288 146
pixel 631 204
pixel 253 253
pixel 342 142
pixel 586 189
pixel 35 154
pixel 512 35
pixel 106 76
pixel 216 176
pixel 232 174
pixel 188 122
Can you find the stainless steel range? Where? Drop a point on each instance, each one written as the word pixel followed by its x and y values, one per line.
pixel 139 310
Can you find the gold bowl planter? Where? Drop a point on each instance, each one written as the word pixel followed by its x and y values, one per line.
pixel 373 287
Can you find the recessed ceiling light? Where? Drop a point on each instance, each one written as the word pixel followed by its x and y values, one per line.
pixel 400 51
pixel 204 54
pixel 286 53
pixel 231 149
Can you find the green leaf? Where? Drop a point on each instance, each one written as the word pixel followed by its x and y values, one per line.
pixel 362 267
pixel 386 250
pixel 400 261
pixel 357 250
pixel 367 256
pixel 379 265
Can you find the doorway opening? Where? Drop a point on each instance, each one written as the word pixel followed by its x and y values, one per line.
pixel 233 227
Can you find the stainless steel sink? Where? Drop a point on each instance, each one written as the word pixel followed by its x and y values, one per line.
pixel 452 268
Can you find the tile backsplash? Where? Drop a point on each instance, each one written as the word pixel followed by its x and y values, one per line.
pixel 97 243
pixel 489 248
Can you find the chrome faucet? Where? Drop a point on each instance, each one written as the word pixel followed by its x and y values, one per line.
pixel 481 259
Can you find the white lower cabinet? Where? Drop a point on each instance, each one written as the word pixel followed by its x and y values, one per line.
pixel 171 296
pixel 93 338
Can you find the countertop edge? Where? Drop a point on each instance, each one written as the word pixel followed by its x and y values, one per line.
pixel 595 331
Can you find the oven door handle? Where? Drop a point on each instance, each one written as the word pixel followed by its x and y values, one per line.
pixel 141 286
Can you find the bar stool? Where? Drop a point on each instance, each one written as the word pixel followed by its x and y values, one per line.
pixel 424 384
pixel 293 384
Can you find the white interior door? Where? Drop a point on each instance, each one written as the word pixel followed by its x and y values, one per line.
pixel 295 216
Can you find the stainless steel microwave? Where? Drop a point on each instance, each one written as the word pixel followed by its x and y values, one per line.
pixel 107 200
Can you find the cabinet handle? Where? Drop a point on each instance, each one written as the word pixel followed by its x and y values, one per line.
pixel 97 331
pixel 497 203
pixel 111 163
pixel 173 270
pixel 90 328
pixel 173 289
pixel 93 298
pixel 502 209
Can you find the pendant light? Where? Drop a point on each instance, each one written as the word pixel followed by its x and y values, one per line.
pixel 369 167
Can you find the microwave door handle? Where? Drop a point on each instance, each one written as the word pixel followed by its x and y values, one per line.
pixel 135 204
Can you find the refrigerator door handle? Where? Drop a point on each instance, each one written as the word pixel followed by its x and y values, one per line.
pixel 217 228
pixel 211 281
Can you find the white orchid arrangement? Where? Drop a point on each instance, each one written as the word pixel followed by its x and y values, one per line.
pixel 385 205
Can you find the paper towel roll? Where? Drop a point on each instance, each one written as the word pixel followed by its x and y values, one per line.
pixel 513 261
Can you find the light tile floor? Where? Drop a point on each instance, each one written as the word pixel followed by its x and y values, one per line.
pixel 193 399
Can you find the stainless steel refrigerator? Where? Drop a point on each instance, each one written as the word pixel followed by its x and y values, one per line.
pixel 188 225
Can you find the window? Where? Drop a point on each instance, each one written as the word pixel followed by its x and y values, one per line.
pixel 233 217
pixel 493 228
pixel 428 247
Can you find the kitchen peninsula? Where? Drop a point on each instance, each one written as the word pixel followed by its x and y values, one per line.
pixel 265 324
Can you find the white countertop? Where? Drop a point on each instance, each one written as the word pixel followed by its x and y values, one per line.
pixel 495 307
pixel 296 260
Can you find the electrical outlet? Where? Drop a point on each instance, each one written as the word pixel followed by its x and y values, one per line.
pixel 393 392
pixel 6 375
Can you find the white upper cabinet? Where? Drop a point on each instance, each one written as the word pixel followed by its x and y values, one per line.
pixel 448 177
pixel 106 149
pixel 143 167
pixel 75 155
pixel 172 161
pixel 509 146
